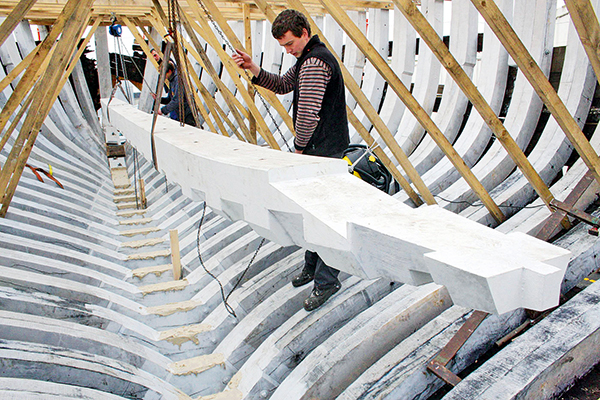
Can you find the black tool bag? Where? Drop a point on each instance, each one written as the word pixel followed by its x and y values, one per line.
pixel 368 167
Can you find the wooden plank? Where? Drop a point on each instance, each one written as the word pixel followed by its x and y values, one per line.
pixel 136 34
pixel 13 19
pixel 248 45
pixel 206 32
pixel 154 45
pixel 376 120
pixel 16 71
pixel 203 91
pixel 439 49
pixel 413 105
pixel 234 105
pixel 197 51
pixel 37 66
pixel 15 122
pixel 77 56
pixel 175 257
pixel 217 16
pixel 76 14
pixel 586 23
pixel 527 65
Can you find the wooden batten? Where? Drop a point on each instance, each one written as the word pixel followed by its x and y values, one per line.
pixel 232 68
pixel 527 65
pixel 234 105
pixel 248 45
pixel 435 43
pixel 14 17
pixel 75 16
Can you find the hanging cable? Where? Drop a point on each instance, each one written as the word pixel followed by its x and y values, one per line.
pixel 225 298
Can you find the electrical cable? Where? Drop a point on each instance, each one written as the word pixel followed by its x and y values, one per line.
pixel 225 298
pixel 481 205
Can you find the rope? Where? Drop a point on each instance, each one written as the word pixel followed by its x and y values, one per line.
pixel 136 67
pixel 127 91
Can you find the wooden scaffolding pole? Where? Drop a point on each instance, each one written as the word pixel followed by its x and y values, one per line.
pixel 234 105
pixel 211 104
pixel 527 65
pixel 36 68
pixel 16 71
pixel 586 23
pixel 219 19
pixel 413 105
pixel 373 116
pixel 437 46
pixel 248 45
pixel 206 32
pixel 75 15
pixel 13 19
pixel 197 51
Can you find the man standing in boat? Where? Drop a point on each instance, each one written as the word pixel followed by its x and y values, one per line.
pixel 319 114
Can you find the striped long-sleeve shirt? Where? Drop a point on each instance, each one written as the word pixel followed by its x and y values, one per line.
pixel 312 82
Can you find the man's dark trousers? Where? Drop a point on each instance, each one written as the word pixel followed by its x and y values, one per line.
pixel 325 276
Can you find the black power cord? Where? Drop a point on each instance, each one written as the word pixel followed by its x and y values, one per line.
pixel 225 298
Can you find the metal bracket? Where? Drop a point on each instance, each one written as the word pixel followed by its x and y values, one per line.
pixel 563 208
pixel 437 364
pixel 580 215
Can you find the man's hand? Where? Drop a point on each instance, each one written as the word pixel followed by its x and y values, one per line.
pixel 244 61
pixel 153 95
pixel 160 112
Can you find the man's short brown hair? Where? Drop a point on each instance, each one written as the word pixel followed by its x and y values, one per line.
pixel 290 20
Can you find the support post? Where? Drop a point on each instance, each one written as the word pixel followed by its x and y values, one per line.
pixel 142 194
pixel 103 62
pixel 175 257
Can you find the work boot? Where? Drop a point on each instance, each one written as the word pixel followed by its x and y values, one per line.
pixel 302 279
pixel 319 296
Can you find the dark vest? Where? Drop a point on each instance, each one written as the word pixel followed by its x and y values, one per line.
pixel 331 136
